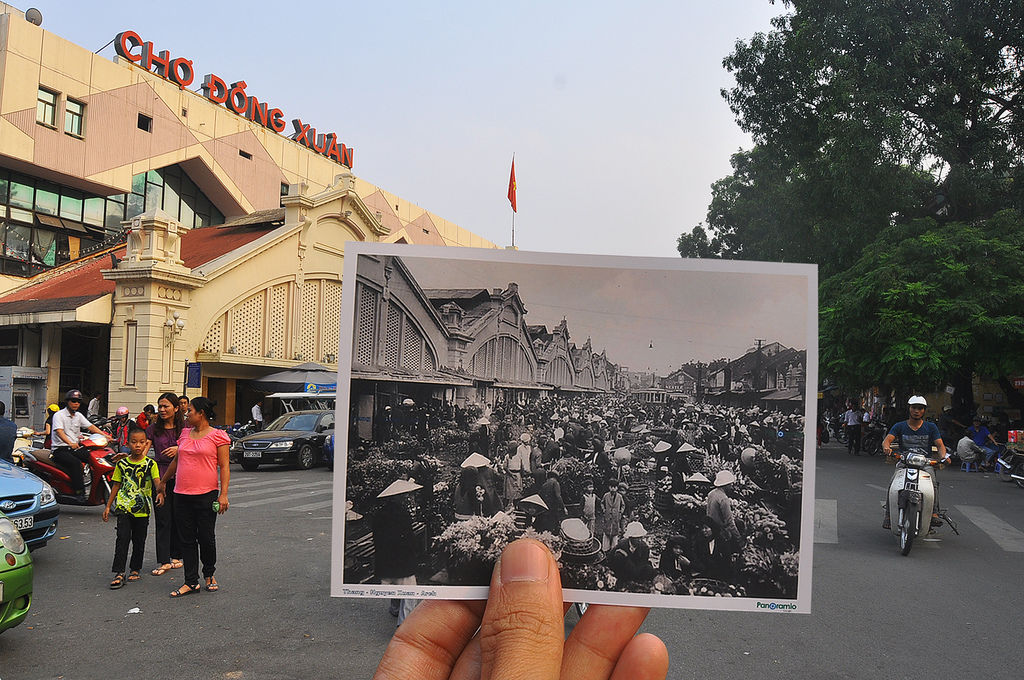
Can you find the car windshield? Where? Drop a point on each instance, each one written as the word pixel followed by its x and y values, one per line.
pixel 295 421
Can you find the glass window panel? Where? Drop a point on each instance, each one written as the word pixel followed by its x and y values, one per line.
pixel 92 213
pixel 136 206
pixel 155 177
pixel 22 194
pixel 153 196
pixel 70 205
pixel 17 214
pixel 3 189
pixel 139 183
pixel 217 217
pixel 202 220
pixel 16 244
pixel 170 171
pixel 202 204
pixel 46 107
pixel 47 197
pixel 73 114
pixel 114 215
pixel 188 216
pixel 44 247
pixel 171 186
pixel 63 249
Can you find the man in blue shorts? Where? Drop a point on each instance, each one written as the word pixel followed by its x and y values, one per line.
pixel 914 434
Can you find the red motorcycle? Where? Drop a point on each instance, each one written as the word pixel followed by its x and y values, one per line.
pixel 97 472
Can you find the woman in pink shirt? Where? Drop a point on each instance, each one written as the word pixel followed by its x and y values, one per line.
pixel 198 498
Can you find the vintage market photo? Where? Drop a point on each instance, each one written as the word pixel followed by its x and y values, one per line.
pixel 644 418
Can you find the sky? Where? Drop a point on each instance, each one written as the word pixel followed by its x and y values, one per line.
pixel 647 316
pixel 613 110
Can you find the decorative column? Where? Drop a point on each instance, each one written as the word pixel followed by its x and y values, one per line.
pixel 152 298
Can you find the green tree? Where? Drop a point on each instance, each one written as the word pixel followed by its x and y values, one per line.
pixel 884 133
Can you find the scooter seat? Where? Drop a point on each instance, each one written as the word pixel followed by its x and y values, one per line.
pixel 43 456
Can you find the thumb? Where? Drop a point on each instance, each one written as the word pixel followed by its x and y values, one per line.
pixel 522 633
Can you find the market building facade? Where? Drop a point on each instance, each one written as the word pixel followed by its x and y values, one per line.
pixel 154 238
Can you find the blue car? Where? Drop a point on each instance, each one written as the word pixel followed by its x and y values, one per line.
pixel 29 503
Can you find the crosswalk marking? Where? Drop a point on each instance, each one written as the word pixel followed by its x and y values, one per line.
pixel 309 507
pixel 826 520
pixel 287 487
pixel 248 483
pixel 1005 536
pixel 279 499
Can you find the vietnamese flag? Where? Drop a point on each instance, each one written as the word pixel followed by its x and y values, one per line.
pixel 512 186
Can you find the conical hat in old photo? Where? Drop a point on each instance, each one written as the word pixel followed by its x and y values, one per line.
pixel 662 446
pixel 686 447
pixel 575 530
pixel 634 530
pixel 398 487
pixel 535 500
pixel 724 477
pixel 623 454
pixel 698 477
pixel 350 514
pixel 475 460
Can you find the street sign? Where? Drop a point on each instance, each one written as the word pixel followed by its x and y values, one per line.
pixel 193 375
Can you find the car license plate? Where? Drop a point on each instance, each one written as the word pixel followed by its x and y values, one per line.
pixel 252 454
pixel 23 523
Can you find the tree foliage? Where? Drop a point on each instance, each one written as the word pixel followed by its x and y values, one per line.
pixel 889 150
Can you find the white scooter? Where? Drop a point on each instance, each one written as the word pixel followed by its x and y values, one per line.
pixel 912 499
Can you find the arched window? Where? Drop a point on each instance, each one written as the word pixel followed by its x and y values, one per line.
pixel 502 358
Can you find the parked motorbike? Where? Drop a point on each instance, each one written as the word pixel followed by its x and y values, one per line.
pixel 874 433
pixel 912 499
pixel 238 430
pixel 1011 465
pixel 26 440
pixel 97 472
pixel 836 429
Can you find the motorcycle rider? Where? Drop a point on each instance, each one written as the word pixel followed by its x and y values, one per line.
pixel 916 435
pixel 68 424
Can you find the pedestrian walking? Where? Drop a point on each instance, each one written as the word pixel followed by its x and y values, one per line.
pixel 163 436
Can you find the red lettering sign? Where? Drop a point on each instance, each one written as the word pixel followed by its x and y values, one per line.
pixel 130 46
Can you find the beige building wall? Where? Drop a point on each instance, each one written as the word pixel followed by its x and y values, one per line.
pixel 204 137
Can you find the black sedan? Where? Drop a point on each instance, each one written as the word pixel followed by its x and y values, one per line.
pixel 295 438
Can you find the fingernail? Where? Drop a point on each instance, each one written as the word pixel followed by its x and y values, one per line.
pixel 524 561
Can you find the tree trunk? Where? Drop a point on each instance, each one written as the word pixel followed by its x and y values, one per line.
pixel 1014 398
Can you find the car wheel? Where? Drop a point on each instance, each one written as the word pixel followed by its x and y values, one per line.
pixel 250 465
pixel 306 458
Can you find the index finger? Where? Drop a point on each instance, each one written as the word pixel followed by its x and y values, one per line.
pixel 429 642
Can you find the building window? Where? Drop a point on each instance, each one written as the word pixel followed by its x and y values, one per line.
pixel 131 334
pixel 46 107
pixel 145 123
pixel 74 118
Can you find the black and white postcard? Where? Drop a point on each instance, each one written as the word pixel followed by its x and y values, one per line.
pixel 650 420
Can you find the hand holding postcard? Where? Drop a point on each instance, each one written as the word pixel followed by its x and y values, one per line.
pixel 649 420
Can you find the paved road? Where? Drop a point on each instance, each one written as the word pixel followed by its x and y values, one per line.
pixel 273 618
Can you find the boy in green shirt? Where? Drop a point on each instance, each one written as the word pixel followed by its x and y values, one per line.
pixel 134 479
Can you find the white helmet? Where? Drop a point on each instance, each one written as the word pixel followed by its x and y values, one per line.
pixel 916 400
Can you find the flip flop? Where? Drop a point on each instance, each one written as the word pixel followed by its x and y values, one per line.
pixel 161 570
pixel 117 582
pixel 177 564
pixel 134 576
pixel 211 585
pixel 182 592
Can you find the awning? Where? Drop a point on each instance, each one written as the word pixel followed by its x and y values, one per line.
pixel 94 309
pixel 789 394
pixel 432 378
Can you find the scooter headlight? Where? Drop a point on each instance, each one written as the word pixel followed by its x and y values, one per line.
pixel 918 460
pixel 47 496
pixel 10 537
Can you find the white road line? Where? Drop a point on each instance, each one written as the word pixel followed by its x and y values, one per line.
pixel 244 483
pixel 875 486
pixel 826 520
pixel 280 499
pixel 1005 536
pixel 312 506
pixel 286 487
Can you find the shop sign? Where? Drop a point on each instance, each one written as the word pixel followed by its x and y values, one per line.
pixel 129 45
pixel 1018 382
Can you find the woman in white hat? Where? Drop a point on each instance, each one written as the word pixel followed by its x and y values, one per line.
pixel 394 541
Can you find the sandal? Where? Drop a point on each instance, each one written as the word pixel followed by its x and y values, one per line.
pixel 184 590
pixel 117 582
pixel 177 564
pixel 134 575
pixel 161 570
pixel 211 584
